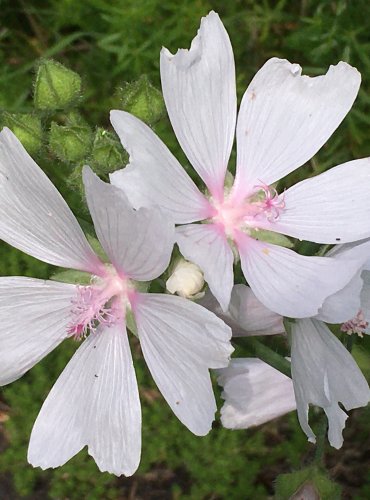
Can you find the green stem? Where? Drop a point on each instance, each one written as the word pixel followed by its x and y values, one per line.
pixel 270 357
pixel 320 441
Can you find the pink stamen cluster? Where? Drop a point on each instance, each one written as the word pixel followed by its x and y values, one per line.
pixel 357 325
pixel 89 310
pixel 272 204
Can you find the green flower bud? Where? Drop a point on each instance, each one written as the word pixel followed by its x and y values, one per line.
pixel 56 87
pixel 26 127
pixel 142 99
pixel 107 154
pixel 310 482
pixel 70 143
pixel 73 118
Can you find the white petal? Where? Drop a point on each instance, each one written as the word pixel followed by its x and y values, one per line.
pixel 154 176
pixel 324 374
pixel 254 393
pixel 246 314
pixel 345 304
pixel 94 402
pixel 290 284
pixel 199 90
pixel 207 246
pixel 333 207
pixel 181 341
pixel 33 215
pixel 138 242
pixel 34 316
pixel 285 118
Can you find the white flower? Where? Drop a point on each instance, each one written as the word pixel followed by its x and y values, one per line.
pixel 186 280
pixel 323 372
pixel 254 393
pixel 284 119
pixel 95 401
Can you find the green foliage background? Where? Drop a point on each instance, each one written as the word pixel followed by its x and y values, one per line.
pixel 109 43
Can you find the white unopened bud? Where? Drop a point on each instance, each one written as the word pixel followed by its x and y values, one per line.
pixel 186 280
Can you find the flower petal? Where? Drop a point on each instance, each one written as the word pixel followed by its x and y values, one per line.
pixel 285 118
pixel 33 215
pixel 246 314
pixel 94 402
pixel 34 315
pixel 207 246
pixel 138 242
pixel 324 374
pixel 333 207
pixel 290 284
pixel 154 176
pixel 346 303
pixel 181 341
pixel 254 393
pixel 200 94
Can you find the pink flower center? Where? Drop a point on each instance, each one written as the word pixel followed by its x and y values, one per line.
pixel 102 303
pixel 233 214
pixel 357 325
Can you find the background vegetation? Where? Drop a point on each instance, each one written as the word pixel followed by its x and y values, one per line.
pixel 108 43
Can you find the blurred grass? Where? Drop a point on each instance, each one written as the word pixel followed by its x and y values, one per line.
pixel 112 42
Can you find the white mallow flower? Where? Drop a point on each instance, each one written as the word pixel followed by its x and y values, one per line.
pixel 325 374
pixel 254 393
pixel 95 401
pixel 323 371
pixel 186 280
pixel 283 120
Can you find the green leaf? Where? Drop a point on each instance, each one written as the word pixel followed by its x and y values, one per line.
pixel 72 276
pixel 272 237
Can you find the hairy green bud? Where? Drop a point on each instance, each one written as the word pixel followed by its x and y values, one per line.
pixel 71 143
pixel 56 87
pixel 142 99
pixel 310 482
pixel 26 127
pixel 107 154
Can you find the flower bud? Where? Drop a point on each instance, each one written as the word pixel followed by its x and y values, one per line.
pixel 142 99
pixel 186 280
pixel 107 154
pixel 70 143
pixel 27 128
pixel 310 482
pixel 56 87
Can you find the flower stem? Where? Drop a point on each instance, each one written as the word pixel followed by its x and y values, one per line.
pixel 270 357
pixel 320 440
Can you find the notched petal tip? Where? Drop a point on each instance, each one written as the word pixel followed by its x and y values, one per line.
pixel 343 67
pixel 185 58
pixel 293 68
